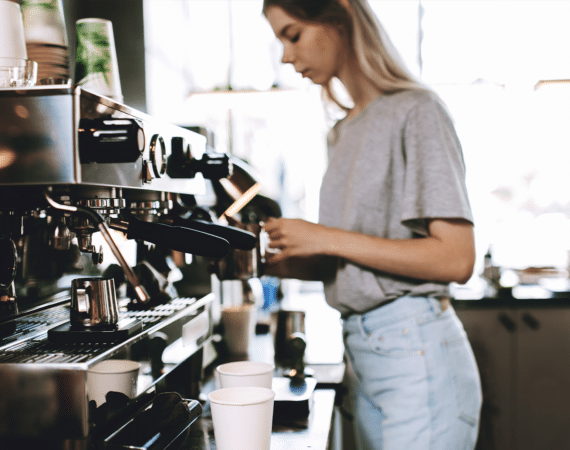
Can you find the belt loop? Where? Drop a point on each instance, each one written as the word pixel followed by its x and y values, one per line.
pixel 360 319
pixel 435 305
pixel 442 304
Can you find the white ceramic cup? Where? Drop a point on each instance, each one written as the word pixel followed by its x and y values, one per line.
pixel 242 417
pixel 112 375
pixel 12 39
pixel 244 374
pixel 239 327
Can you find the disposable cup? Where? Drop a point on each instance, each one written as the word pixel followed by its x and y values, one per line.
pixel 96 65
pixel 12 39
pixel 112 375
pixel 244 374
pixel 239 327
pixel 242 417
pixel 44 22
pixel 46 39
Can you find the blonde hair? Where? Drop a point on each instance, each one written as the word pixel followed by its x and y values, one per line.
pixel 375 54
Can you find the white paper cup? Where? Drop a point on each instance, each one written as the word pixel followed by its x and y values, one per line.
pixel 96 65
pixel 46 39
pixel 12 39
pixel 242 417
pixel 239 327
pixel 245 374
pixel 113 375
pixel 44 22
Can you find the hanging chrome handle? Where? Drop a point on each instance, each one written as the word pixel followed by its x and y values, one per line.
pixel 82 301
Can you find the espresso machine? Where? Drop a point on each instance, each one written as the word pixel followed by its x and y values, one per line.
pixel 99 212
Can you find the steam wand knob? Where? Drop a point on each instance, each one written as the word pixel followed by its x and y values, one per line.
pixel 181 163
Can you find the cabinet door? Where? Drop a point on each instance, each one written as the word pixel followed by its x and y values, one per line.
pixel 492 334
pixel 543 370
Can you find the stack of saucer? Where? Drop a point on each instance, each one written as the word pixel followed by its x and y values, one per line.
pixel 53 62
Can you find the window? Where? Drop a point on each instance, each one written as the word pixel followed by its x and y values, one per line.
pixel 484 58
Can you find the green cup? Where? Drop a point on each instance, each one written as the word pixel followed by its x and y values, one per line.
pixel 96 67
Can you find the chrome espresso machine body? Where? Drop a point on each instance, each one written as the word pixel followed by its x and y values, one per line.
pixel 85 181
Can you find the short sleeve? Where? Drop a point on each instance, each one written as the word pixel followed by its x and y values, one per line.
pixel 434 180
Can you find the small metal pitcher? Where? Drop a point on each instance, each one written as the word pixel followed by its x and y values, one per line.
pixel 287 326
pixel 93 303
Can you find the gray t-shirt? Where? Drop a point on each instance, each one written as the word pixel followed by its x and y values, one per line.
pixel 396 164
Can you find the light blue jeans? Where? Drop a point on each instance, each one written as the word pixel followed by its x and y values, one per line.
pixel 417 384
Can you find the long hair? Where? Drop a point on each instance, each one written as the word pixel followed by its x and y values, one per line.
pixel 377 57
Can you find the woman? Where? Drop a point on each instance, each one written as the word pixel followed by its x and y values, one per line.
pixel 395 229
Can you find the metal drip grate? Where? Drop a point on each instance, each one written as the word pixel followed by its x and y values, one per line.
pixel 40 350
pixel 19 329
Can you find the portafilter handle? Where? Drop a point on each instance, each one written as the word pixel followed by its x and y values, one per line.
pixel 179 238
pixel 236 237
pixel 140 291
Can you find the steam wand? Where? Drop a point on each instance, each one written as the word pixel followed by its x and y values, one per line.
pixel 140 291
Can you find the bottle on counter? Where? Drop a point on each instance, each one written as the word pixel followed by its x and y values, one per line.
pixel 491 272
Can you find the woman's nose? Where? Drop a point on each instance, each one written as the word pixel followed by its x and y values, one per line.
pixel 287 57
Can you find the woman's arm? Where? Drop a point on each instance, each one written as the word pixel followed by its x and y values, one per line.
pixel 447 254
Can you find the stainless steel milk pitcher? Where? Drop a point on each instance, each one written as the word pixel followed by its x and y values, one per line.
pixel 93 303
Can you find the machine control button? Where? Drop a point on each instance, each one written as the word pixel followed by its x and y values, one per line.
pixel 157 150
pixel 181 150
pixel 110 140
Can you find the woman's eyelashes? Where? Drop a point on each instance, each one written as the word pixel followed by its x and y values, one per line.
pixel 295 38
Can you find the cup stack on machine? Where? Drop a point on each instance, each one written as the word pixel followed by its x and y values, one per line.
pixel 46 39
pixel 16 70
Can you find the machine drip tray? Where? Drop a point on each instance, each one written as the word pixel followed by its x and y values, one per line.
pixel 125 328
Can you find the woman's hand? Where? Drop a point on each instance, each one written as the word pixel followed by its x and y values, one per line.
pixel 446 254
pixel 295 238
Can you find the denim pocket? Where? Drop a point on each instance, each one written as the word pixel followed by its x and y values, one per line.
pixel 396 342
pixel 465 379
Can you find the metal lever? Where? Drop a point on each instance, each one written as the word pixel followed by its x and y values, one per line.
pixel 140 291
pixel 178 238
pixel 237 238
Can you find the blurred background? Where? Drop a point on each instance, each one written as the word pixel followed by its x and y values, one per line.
pixel 501 66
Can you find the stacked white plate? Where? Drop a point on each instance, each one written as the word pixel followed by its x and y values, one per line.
pixel 53 62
